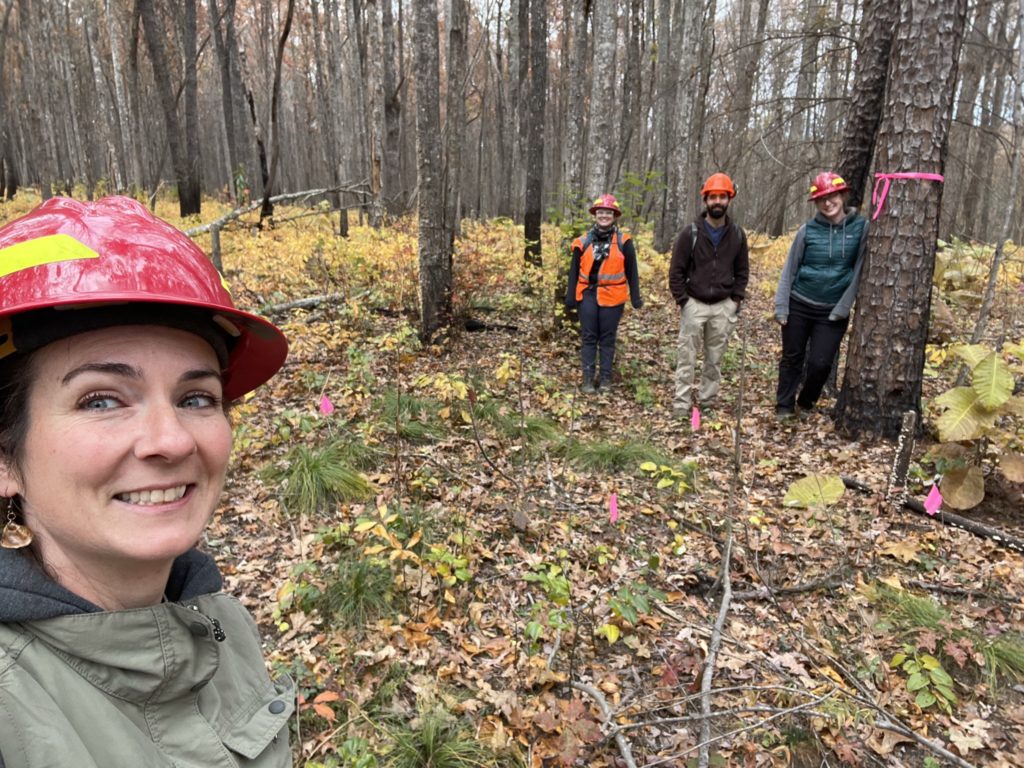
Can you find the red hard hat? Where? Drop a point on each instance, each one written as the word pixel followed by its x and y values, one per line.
pixel 110 257
pixel 606 201
pixel 825 184
pixel 720 183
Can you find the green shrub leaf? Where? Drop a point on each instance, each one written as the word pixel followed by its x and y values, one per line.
pixel 963 418
pixel 924 699
pixel 972 354
pixel 993 381
pixel 917 681
pixel 814 491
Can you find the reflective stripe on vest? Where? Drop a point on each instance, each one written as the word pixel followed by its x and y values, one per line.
pixel 612 288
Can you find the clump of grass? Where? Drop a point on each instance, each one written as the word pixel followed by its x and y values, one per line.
pixel 436 739
pixel 359 592
pixel 416 417
pixel 911 612
pixel 314 479
pixel 1004 657
pixel 609 456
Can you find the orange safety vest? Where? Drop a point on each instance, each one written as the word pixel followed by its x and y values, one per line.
pixel 612 288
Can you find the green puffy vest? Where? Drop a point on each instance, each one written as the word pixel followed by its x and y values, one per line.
pixel 830 254
pixel 173 685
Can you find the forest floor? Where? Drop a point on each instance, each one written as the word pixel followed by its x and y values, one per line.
pixel 484 586
pixel 512 602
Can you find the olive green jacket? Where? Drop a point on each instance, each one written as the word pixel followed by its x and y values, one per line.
pixel 178 684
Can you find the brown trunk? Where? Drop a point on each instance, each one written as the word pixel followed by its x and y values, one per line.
pixel 868 97
pixel 534 204
pixel 886 361
pixel 434 258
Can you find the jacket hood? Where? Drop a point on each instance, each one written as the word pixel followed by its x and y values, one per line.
pixel 27 593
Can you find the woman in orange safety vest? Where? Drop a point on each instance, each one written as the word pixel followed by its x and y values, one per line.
pixel 602 276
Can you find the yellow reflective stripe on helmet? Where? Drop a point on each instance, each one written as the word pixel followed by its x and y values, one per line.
pixel 42 250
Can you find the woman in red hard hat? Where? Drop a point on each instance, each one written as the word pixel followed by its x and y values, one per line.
pixel 120 350
pixel 602 276
pixel 816 291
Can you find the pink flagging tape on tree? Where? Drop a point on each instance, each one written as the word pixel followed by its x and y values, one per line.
pixel 885 179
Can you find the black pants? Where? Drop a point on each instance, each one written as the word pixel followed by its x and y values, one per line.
pixel 807 324
pixel 598 328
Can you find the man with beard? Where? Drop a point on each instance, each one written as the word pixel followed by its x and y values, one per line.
pixel 708 279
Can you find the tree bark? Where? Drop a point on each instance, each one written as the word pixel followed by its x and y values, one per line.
pixel 868 96
pixel 193 191
pixel 455 118
pixel 603 109
pixel 434 259
pixel 391 179
pixel 155 35
pixel 534 203
pixel 574 161
pixel 886 360
pixel 275 139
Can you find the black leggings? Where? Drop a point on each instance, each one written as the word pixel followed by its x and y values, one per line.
pixel 807 323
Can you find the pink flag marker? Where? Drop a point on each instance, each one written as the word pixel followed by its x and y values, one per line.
pixel 613 507
pixel 326 406
pixel 933 501
pixel 695 419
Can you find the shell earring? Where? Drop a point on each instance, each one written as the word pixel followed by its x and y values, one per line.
pixel 14 536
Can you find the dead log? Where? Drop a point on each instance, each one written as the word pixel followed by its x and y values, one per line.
pixel 1000 537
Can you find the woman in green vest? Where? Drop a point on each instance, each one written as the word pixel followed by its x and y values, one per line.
pixel 816 290
pixel 120 352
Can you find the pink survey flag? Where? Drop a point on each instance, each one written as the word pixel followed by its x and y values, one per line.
pixel 613 507
pixel 933 501
pixel 326 406
pixel 695 419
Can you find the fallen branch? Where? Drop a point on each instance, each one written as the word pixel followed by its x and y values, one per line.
pixel 713 647
pixel 949 518
pixel 767 592
pixel 620 738
pixel 931 746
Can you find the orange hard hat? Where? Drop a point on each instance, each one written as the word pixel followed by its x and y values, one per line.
pixel 720 183
pixel 825 184
pixel 606 201
pixel 68 267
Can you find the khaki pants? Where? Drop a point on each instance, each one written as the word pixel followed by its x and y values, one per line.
pixel 712 325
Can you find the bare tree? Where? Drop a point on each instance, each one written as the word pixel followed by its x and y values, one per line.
pixel 886 360
pixel 868 96
pixel 434 256
pixel 603 107
pixel 267 209
pixel 455 118
pixel 534 204
pixel 153 27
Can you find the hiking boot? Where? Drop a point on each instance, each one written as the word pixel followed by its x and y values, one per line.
pixel 805 413
pixel 784 414
pixel 588 387
pixel 605 385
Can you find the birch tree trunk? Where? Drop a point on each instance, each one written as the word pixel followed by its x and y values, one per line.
pixel 375 98
pixel 434 259
pixel 666 67
pixel 603 108
pixel 685 138
pixel 886 360
pixel 574 159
